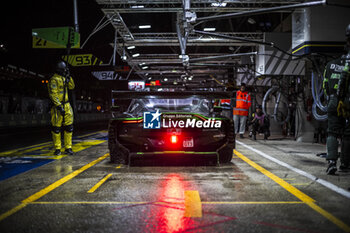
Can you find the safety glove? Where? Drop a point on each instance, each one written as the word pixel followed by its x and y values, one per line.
pixel 67 75
pixel 341 109
pixel 67 79
pixel 60 109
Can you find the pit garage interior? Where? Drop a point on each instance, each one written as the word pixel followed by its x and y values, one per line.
pixel 182 56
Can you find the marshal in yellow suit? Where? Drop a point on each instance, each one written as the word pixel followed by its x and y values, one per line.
pixel 61 112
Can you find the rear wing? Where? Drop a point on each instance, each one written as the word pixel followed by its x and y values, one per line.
pixel 122 99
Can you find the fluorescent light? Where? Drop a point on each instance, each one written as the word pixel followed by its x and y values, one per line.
pixel 219 4
pixel 136 55
pixel 131 47
pixel 145 67
pixel 144 26
pixel 209 29
pixel 140 6
pixel 141 64
pixel 208 39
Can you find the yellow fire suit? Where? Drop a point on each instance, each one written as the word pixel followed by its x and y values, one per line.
pixel 56 87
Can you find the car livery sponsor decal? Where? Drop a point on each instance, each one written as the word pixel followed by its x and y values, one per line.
pixel 157 120
pixel 151 120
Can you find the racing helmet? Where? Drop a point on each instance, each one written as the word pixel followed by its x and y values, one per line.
pixel 61 68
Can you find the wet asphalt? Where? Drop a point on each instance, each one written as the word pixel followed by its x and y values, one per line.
pixel 161 194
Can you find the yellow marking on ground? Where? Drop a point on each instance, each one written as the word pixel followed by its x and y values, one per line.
pixel 85 144
pixel 12 211
pixel 51 187
pixel 96 186
pixel 49 153
pixel 63 180
pixel 289 178
pixel 24 150
pixel 251 202
pixel 330 217
pixel 160 202
pixel 90 202
pixel 119 166
pixel 296 192
pixel 193 205
pixel 75 147
pixel 166 203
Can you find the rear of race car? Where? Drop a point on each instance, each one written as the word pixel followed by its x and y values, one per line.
pixel 174 133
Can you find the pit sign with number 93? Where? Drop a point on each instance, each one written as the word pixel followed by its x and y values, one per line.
pixel 82 60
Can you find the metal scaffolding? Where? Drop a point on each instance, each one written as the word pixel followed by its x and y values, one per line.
pixel 185 37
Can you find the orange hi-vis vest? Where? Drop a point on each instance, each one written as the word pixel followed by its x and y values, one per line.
pixel 243 103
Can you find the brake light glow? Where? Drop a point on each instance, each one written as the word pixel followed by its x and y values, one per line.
pixel 173 139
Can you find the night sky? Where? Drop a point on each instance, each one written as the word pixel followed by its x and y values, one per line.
pixel 19 17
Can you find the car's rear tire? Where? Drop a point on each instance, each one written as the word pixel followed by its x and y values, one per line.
pixel 225 154
pixel 117 153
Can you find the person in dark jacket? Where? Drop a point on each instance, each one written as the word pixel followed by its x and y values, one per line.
pixel 336 85
pixel 260 123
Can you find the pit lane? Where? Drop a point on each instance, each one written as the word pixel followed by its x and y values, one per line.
pixel 86 193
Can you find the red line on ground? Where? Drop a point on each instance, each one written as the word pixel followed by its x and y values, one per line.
pixel 177 208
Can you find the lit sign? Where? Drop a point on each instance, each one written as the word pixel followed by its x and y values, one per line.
pixel 105 75
pixel 82 60
pixel 153 83
pixel 136 85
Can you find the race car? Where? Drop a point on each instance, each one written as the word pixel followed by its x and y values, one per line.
pixel 169 124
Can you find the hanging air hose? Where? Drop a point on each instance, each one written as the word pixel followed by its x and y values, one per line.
pixel 315 94
pixel 317 103
pixel 316 115
pixel 275 111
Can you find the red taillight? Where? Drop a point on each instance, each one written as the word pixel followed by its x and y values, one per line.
pixel 173 139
